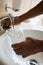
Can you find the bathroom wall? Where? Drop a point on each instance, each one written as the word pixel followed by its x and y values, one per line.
pixel 2 6
pixel 25 5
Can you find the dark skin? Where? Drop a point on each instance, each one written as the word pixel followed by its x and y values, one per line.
pixel 27 47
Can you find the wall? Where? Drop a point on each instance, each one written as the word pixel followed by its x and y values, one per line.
pixel 24 7
pixel 2 6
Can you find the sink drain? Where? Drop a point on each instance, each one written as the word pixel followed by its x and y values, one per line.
pixel 33 62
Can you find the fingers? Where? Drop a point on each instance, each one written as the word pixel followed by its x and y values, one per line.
pixel 6 27
pixel 18 51
pixel 17 48
pixel 20 48
pixel 14 45
pixel 17 45
pixel 6 23
pixel 24 48
pixel 28 47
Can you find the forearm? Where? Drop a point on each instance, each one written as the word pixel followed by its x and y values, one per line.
pixel 33 12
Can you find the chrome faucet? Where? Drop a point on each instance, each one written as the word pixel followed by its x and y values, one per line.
pixel 10 16
pixel 8 7
pixel 11 8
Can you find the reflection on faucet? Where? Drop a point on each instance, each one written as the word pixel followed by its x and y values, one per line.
pixel 6 7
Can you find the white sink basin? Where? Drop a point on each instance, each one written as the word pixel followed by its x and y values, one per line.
pixel 16 36
pixel 37 35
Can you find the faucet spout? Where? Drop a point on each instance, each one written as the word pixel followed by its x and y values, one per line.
pixel 12 20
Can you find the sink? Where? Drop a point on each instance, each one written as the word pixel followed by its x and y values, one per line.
pixel 6 52
pixel 37 35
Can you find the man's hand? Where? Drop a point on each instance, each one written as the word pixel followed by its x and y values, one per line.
pixel 28 47
pixel 6 23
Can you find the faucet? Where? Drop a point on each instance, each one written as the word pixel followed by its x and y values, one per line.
pixel 11 8
pixel 6 6
pixel 10 16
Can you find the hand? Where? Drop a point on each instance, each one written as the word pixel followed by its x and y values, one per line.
pixel 6 23
pixel 28 47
